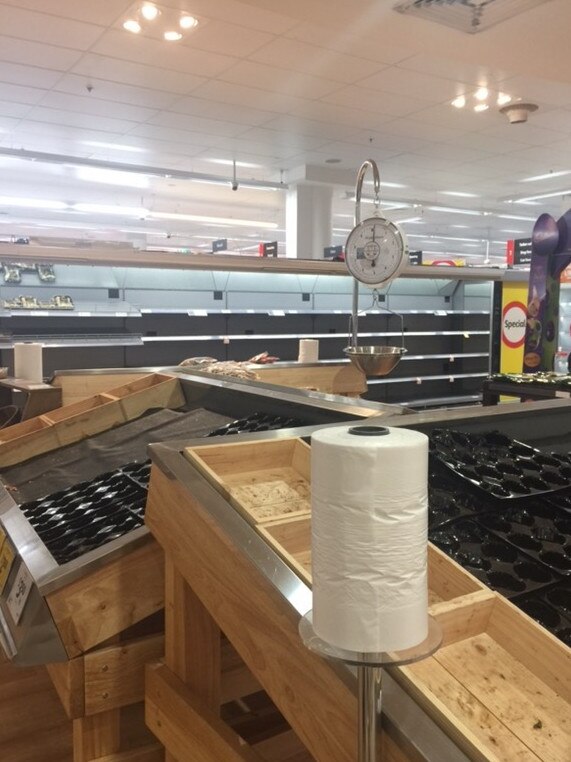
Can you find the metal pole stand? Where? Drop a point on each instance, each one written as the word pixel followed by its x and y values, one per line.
pixel 369 676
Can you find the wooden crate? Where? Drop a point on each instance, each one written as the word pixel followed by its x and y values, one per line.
pixel 155 390
pixel 26 440
pixel 342 379
pixel 86 418
pixel 262 480
pixel 500 685
pixel 291 539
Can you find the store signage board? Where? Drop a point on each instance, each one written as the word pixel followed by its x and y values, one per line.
pixel 19 593
pixel 7 556
pixel 220 245
pixel 269 249
pixel 522 251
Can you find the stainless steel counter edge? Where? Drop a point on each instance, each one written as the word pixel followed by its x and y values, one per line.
pixel 409 720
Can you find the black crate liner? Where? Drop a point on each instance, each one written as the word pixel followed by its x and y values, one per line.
pixel 491 559
pixel 551 607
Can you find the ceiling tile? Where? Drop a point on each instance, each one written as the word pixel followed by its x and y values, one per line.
pixel 552 119
pixel 414 129
pixel 69 118
pixel 249 15
pixel 344 150
pixel 315 60
pixel 173 135
pixel 485 143
pixel 331 112
pixel 457 118
pixel 450 153
pixel 457 70
pixel 540 90
pixel 131 47
pixel 76 84
pixel 388 142
pixel 279 80
pixel 293 143
pixel 103 12
pixel 392 104
pixel 296 125
pixel 352 42
pixel 17 110
pixel 16 74
pixel 197 124
pixel 243 95
pixel 220 110
pixel 92 105
pixel 28 25
pixel 37 54
pixel 524 133
pixel 422 86
pixel 128 73
pixel 20 94
pixel 232 39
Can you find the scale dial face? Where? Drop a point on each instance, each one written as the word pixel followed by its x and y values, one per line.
pixel 376 251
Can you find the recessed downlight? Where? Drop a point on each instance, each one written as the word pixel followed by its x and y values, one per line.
pixel 149 11
pixel 172 36
pixel 481 107
pixel 132 26
pixel 188 22
pixel 459 102
pixel 481 94
pixel 503 99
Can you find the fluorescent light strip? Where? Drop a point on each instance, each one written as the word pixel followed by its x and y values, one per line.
pixel 214 220
pixel 114 146
pixel 460 194
pixel 230 163
pixel 454 210
pixel 546 176
pixel 129 211
pixel 529 199
pixel 112 177
pixel 32 203
pixel 516 217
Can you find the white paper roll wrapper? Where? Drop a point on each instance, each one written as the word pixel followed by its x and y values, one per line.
pixel 28 362
pixel 308 350
pixel 369 538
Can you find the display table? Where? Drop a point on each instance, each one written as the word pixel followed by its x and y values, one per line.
pixel 39 398
pixel 492 390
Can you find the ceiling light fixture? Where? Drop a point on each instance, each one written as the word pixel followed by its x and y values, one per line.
pixel 481 107
pixel 188 22
pixel 128 211
pixel 503 99
pixel 459 102
pixel 455 210
pixel 32 203
pixel 172 36
pixel 481 94
pixel 132 26
pixel 546 176
pixel 529 199
pixel 231 162
pixel 112 177
pixel 213 220
pixel 149 11
pixel 113 146
pixel 460 194
pixel 516 217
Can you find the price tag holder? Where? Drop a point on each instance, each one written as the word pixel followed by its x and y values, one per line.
pixel 19 593
pixel 39 313
pixel 7 556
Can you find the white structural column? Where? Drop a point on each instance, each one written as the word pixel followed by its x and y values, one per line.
pixel 308 220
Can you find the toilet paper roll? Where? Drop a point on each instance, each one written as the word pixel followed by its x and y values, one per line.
pixel 308 350
pixel 28 362
pixel 369 538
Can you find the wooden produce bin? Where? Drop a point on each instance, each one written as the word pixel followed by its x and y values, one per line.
pixel 342 378
pixel 499 687
pixel 110 618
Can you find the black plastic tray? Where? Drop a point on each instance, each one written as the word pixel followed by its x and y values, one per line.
pixel 551 607
pixel 498 465
pixel 446 502
pixel 537 528
pixel 491 559
pixel 256 422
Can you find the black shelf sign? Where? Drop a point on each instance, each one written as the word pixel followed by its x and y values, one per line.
pixel 220 245
pixel 332 252
pixel 268 249
pixel 415 257
pixel 519 251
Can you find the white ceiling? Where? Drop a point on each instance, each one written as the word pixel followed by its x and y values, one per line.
pixel 281 85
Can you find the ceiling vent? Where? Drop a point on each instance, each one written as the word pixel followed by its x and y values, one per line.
pixel 467 15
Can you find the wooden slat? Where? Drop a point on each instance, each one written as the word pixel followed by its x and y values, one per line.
pixel 447 579
pixel 332 379
pixel 464 617
pixel 192 639
pixel 33 724
pixel 78 387
pixel 115 676
pixel 465 719
pixel 185 727
pixel 96 736
pixel 284 747
pixel 155 390
pixel 76 424
pixel 534 713
pixel 149 753
pixel 69 682
pixel 260 625
pixel 26 440
pixel 533 646
pixel 237 680
pixel 102 604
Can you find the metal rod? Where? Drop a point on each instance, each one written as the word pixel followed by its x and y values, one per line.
pixel 368 163
pixel 370 701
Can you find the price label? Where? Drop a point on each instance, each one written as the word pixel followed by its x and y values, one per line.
pixel 84 314
pixel 6 560
pixel 277 313
pixel 19 593
pixel 452 358
pixel 120 314
pixel 197 313
pixel 39 313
